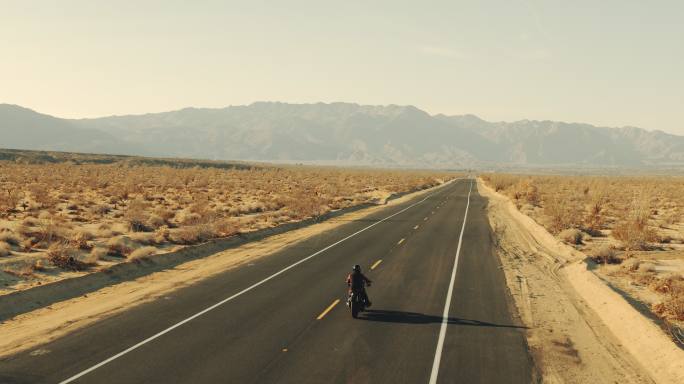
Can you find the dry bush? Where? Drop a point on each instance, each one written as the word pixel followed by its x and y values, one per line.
pixel 142 253
pixel 646 267
pixel 98 253
pixel 64 256
pixel 226 227
pixel 147 238
pixel 136 215
pixel 5 249
pixel 604 255
pixel 561 215
pixel 79 239
pixel 631 264
pixel 22 269
pixel 70 208
pixel 634 232
pixel 500 182
pixel 191 234
pixel 632 208
pixel 155 221
pixel 571 236
pixel 9 199
pixel 121 246
pixel 594 219
pixel 51 230
pixel 99 210
pixel 10 238
pixel 38 265
pixel 672 306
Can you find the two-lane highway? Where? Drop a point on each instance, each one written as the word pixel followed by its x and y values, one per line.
pixel 283 319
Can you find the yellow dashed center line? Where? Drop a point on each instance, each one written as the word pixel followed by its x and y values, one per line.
pixel 330 307
pixel 400 241
pixel 425 219
pixel 376 264
pixel 416 227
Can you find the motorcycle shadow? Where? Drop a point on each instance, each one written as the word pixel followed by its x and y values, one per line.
pixel 421 318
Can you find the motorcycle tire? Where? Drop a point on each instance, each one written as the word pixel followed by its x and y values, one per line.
pixel 355 306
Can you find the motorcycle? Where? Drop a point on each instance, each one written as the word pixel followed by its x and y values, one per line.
pixel 356 303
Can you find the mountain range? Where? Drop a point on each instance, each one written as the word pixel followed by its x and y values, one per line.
pixel 343 134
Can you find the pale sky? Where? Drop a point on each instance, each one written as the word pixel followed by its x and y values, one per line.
pixel 603 62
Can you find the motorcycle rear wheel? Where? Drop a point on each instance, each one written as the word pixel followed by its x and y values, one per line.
pixel 355 307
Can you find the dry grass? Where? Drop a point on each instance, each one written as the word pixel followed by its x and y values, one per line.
pixel 632 210
pixel 610 218
pixel 672 306
pixel 142 253
pixel 80 214
pixel 5 249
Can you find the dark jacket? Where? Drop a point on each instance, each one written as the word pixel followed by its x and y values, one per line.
pixel 357 281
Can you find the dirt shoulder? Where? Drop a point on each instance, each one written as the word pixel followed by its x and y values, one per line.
pixel 581 331
pixel 39 326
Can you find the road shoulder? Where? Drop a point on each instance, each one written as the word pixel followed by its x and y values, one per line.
pixel 571 338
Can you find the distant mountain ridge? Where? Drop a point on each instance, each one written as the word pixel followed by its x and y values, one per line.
pixel 344 134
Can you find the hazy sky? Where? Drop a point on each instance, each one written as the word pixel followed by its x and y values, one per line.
pixel 603 62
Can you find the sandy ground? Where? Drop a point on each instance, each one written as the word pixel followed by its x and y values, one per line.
pixel 42 325
pixel 580 330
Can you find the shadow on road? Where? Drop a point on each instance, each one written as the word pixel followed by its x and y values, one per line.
pixel 420 318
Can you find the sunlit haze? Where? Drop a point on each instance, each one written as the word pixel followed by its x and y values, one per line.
pixel 610 63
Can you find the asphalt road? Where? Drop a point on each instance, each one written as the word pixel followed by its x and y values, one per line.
pixel 275 329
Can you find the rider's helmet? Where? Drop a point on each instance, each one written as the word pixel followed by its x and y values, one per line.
pixel 357 268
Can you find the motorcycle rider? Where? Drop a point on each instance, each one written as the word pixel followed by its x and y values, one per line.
pixel 357 282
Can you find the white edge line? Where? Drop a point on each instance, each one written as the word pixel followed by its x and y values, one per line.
pixel 198 314
pixel 447 304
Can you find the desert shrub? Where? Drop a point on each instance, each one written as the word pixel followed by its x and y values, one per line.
pixel 524 191
pixel 21 269
pixel 165 214
pixel 634 235
pixel 155 221
pixel 499 181
pixel 604 255
pixel 5 249
pixel 188 218
pixel 120 246
pixel 646 267
pixel 30 221
pixel 143 252
pixel 634 231
pixel 631 264
pixel 161 234
pixel 9 199
pixel 668 283
pixel 79 239
pixel 50 231
pixel 594 218
pixel 571 236
pixel 673 217
pixel 10 238
pixel 145 238
pixel 28 244
pixel 136 215
pixel 191 234
pixel 38 265
pixel 226 227
pixel 64 256
pixel 559 213
pixel 41 195
pixel 100 210
pixel 98 253
pixel 672 306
